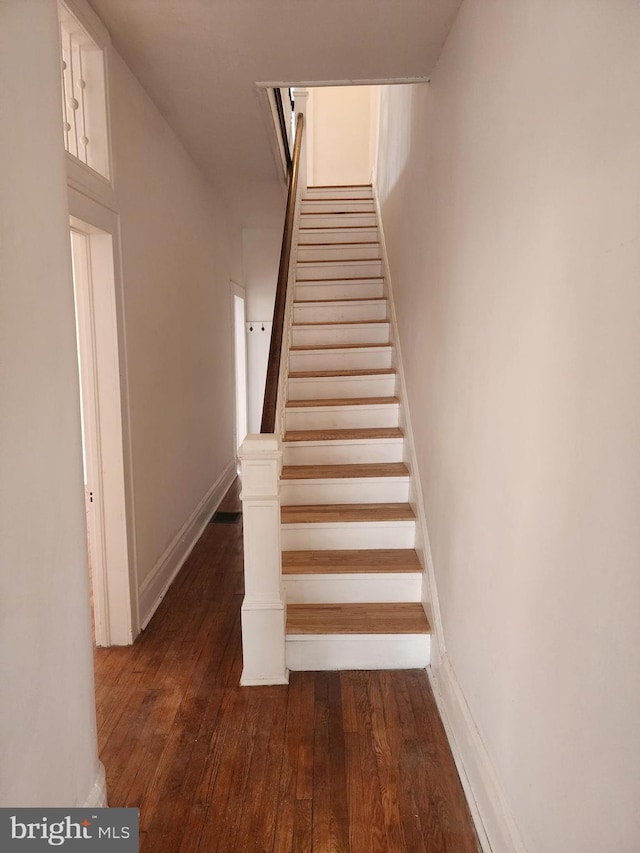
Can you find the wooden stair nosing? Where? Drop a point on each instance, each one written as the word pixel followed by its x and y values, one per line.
pixel 349 434
pixel 337 198
pixel 346 243
pixel 376 561
pixel 340 261
pixel 342 279
pixel 396 618
pixel 332 402
pixel 345 513
pixel 315 347
pixel 333 227
pixel 354 471
pixel 342 323
pixel 336 374
pixel 306 302
pixel 340 186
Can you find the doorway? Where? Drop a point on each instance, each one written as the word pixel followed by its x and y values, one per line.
pixel 102 435
pixel 240 361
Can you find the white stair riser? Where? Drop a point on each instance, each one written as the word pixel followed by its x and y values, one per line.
pixel 364 333
pixel 353 588
pixel 339 192
pixel 339 359
pixel 304 652
pixel 344 491
pixel 343 453
pixel 342 417
pixel 321 270
pixel 340 289
pixel 340 206
pixel 342 386
pixel 339 252
pixel 337 220
pixel 337 235
pixel 347 536
pixel 341 312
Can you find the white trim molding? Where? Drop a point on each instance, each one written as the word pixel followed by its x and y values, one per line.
pixel 496 828
pixel 154 587
pixel 97 798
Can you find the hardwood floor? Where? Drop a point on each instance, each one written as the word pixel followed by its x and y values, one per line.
pixel 353 761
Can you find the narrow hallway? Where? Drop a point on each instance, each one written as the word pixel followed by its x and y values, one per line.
pixel 344 761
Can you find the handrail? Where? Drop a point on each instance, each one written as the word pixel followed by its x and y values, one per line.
pixel 277 93
pixel 275 347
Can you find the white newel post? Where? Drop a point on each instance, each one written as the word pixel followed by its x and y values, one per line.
pixel 263 608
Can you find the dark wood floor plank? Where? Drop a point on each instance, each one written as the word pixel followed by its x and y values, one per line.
pixel 304 778
pixel 369 780
pixel 354 761
pixel 387 773
pixel 409 813
pixel 328 827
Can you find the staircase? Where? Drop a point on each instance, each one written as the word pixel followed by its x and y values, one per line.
pixel 352 578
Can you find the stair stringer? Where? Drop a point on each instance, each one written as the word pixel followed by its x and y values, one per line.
pixel 430 600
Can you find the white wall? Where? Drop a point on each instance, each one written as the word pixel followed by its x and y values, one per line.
pixel 177 264
pixel 339 127
pixel 260 259
pixel 510 191
pixel 48 749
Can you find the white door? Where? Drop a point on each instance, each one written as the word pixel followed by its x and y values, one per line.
pixel 102 432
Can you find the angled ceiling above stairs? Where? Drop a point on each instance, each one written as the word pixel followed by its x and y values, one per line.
pixel 200 59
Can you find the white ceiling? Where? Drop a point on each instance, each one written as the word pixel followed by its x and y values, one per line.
pixel 200 60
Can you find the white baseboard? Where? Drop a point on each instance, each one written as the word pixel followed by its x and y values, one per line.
pixel 97 798
pixel 423 546
pixel 155 586
pixel 267 681
pixel 494 823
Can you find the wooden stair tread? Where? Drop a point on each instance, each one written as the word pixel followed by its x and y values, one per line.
pixel 343 299
pixel 329 374
pixel 340 187
pixel 342 323
pixel 336 346
pixel 334 227
pixel 348 472
pixel 342 434
pixel 318 513
pixel 345 243
pixel 343 401
pixel 338 212
pixel 350 562
pixel 339 261
pixel 337 198
pixel 341 279
pixel 396 618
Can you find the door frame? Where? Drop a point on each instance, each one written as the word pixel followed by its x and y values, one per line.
pixel 239 292
pixel 101 342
